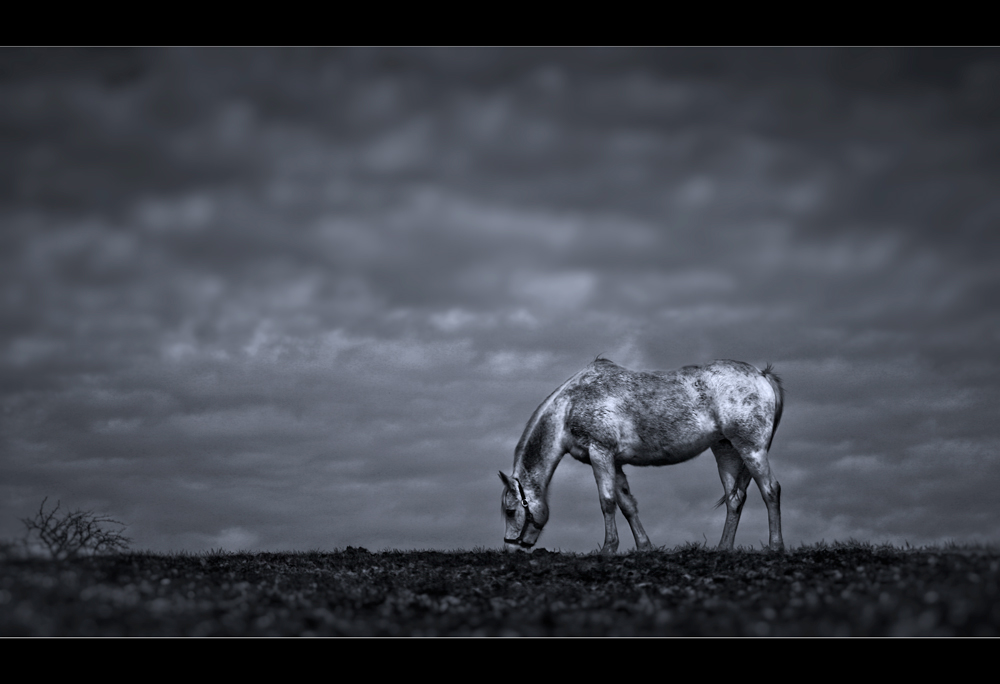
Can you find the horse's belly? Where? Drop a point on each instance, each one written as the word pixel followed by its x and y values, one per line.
pixel 665 454
pixel 658 458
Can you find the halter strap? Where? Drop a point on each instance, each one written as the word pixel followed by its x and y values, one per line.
pixel 527 519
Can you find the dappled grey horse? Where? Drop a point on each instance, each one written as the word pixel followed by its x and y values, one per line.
pixel 609 417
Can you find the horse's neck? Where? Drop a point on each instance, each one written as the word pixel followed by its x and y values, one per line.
pixel 537 478
pixel 541 446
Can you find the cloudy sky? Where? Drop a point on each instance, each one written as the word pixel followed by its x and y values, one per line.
pixel 305 299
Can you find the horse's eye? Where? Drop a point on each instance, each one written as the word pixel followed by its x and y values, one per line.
pixel 510 513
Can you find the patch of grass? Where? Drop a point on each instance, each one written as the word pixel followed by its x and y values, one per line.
pixel 849 589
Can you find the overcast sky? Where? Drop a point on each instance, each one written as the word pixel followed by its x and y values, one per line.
pixel 305 299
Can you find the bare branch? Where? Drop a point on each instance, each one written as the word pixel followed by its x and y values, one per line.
pixel 74 533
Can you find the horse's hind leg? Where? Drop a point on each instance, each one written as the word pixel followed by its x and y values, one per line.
pixel 770 490
pixel 735 478
pixel 630 508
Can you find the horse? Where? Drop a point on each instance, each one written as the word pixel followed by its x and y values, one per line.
pixel 608 417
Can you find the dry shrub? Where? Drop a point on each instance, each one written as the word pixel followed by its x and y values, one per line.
pixel 74 533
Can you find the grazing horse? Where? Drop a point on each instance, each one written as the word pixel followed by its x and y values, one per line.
pixel 608 417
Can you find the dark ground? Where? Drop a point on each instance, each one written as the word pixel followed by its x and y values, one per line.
pixel 840 590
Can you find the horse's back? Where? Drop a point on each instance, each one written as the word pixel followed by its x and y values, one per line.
pixel 663 417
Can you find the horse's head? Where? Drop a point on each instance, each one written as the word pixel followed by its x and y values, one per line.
pixel 524 515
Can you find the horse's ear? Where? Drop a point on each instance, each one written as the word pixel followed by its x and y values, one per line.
pixel 503 478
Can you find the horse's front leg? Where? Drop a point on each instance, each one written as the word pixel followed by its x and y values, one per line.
pixel 630 507
pixel 603 463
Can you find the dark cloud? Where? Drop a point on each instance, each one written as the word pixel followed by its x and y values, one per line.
pixel 309 298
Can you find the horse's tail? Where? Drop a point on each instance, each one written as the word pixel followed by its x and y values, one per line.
pixel 779 399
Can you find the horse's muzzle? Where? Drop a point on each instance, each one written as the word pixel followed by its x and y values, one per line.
pixel 518 543
pixel 514 547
